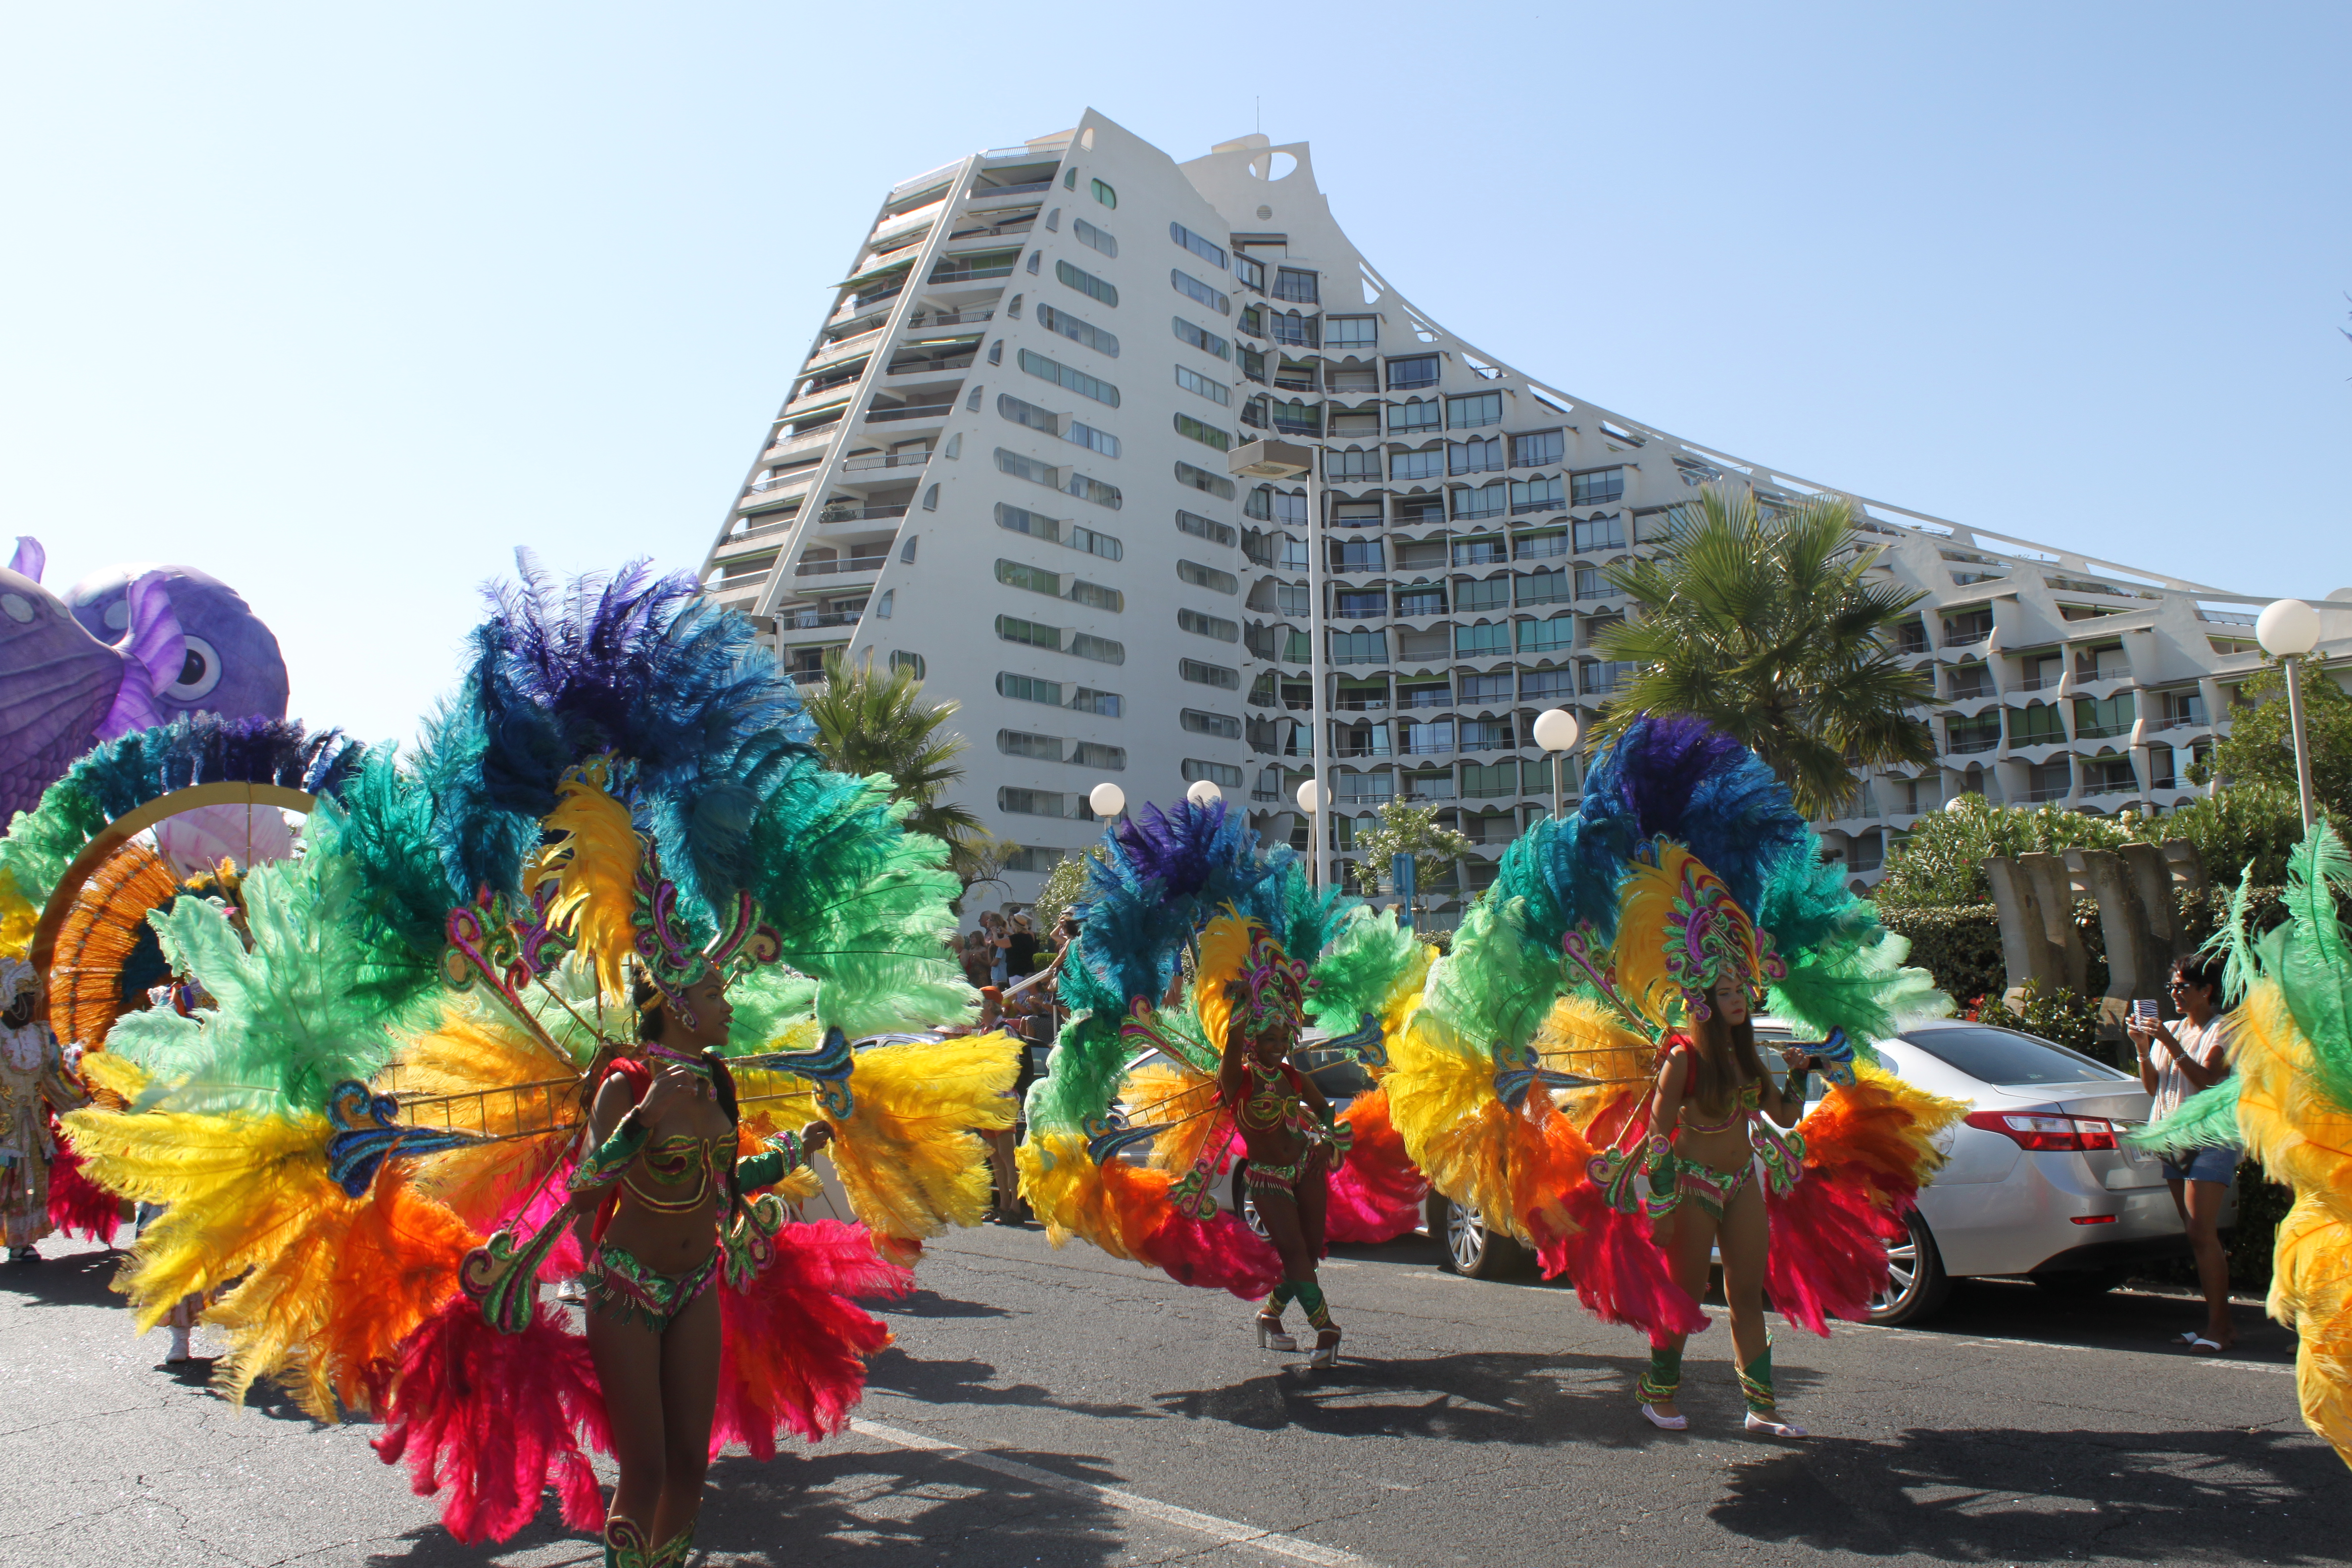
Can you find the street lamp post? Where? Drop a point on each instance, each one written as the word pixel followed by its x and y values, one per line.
pixel 1556 730
pixel 2288 630
pixel 1107 800
pixel 1270 460
pixel 1205 794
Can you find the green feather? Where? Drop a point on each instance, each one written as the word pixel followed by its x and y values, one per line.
pixel 1370 953
pixel 2205 1119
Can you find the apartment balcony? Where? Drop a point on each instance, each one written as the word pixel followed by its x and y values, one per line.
pixel 841 348
pixel 751 539
pixel 800 445
pixel 2101 731
pixel 874 462
pixel 1012 223
pixel 856 566
pixel 988 194
pixel 1972 746
pixel 2041 796
pixel 1426 749
pixel 2112 787
pixel 861 513
pixel 791 620
pixel 942 365
pixel 904 411
pixel 926 319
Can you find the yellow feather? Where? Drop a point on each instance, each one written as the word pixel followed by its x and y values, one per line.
pixel 1170 1090
pixel 1582 1036
pixel 593 866
pixel 476 1057
pixel 1224 952
pixel 1442 1101
pixel 18 917
pixel 910 1156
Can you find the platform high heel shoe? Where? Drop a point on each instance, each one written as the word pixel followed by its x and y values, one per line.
pixel 1326 1352
pixel 1271 1334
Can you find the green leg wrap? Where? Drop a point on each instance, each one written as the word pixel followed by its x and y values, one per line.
pixel 1755 1383
pixel 625 1543
pixel 1309 1295
pixel 1284 1295
pixel 673 1551
pixel 1665 1376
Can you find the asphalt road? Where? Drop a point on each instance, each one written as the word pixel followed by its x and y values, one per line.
pixel 1061 1408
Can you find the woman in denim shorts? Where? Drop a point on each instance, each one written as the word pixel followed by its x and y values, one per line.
pixel 2176 1061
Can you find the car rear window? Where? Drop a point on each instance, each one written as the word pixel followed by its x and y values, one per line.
pixel 2008 1058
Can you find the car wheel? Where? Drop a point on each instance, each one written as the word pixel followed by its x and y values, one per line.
pixel 1245 1204
pixel 1471 1249
pixel 1915 1282
pixel 2082 1283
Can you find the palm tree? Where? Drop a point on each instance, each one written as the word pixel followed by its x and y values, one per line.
pixel 1770 628
pixel 870 722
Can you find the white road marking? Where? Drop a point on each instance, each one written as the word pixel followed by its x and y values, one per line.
pixel 1229 1531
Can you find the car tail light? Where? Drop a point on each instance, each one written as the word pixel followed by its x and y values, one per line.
pixel 2041 1130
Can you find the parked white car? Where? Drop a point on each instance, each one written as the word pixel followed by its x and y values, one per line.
pixel 2035 1184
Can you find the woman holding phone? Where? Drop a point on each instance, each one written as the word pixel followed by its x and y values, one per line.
pixel 2176 1061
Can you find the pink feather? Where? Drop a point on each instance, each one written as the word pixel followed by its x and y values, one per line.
pixel 793 1358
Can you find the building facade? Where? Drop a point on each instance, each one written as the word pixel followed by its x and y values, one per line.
pixel 1004 464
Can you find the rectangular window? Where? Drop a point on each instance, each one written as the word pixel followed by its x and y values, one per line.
pixel 1491 549
pixel 1214 255
pixel 1413 414
pixel 1087 488
pixel 1028 414
pixel 1199 385
pixel 1492 595
pixel 1599 534
pixel 1535 495
pixel 1489 641
pixel 1358 555
pixel 1657 525
pixel 1542 588
pixel 1429 464
pixel 1031 857
pixel 1022 743
pixel 1216 724
pixel 1420 370
pixel 1421 601
pixel 1017 575
pixel 1354 465
pixel 1086 699
pixel 1470 412
pixel 1216 485
pixel 1591 585
pixel 1215 627
pixel 1035 633
pixel 1094 596
pixel 1486 734
pixel 1473 455
pixel 1095 238
pixel 1351 331
pixel 1216 674
pixel 1077 331
pixel 1485 781
pixel 1360 604
pixel 1297 285
pixel 1078 380
pixel 1087 283
pixel 1208 434
pixel 1605 680
pixel 1029 468
pixel 1105 195
pixel 978 264
pixel 1102 650
pixel 1537 449
pixel 1548 637
pixel 1360 648
pixel 1020 519
pixel 1224 774
pixel 1206 342
pixel 1290 326
pixel 1597 486
pixel 1547 685
pixel 1208 577
pixel 1430 738
pixel 1250 271
pixel 1289 599
pixel 1191 288
pixel 1092 439
pixel 1489 501
pixel 1033 803
pixel 1356 514
pixel 1093 544
pixel 1029 689
pixel 1206 528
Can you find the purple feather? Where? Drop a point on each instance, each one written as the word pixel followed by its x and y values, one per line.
pixel 1177 848
pixel 1662 762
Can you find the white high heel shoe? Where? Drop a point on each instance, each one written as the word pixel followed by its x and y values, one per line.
pixel 1664 1423
pixel 1272 1337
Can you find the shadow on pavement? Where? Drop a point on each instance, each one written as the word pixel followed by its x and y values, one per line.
pixel 854 1510
pixel 1980 1494
pixel 2118 1319
pixel 78 1279
pixel 1476 1396
pixel 932 1304
pixel 966 1382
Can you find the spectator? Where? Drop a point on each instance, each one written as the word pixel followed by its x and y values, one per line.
pixel 978 957
pixel 993 925
pixel 2176 1061
pixel 1020 948
pixel 1011 1209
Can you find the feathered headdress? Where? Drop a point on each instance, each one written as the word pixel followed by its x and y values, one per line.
pixel 1680 934
pixel 1239 954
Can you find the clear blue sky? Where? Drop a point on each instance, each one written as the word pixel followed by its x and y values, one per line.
pixel 342 302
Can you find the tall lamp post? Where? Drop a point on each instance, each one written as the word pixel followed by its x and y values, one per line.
pixel 1269 459
pixel 2288 630
pixel 1205 794
pixel 1556 731
pixel 1107 800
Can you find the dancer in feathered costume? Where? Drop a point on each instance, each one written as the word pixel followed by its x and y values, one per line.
pixel 35 1084
pixel 1537 1089
pixel 430 1055
pixel 1267 951
pixel 2288 1102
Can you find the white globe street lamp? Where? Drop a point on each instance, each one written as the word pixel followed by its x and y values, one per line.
pixel 1107 800
pixel 1556 731
pixel 1311 798
pixel 1205 794
pixel 2288 630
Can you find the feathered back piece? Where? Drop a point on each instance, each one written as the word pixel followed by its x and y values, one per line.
pixel 1680 934
pixel 106 955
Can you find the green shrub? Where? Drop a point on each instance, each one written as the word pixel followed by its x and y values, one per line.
pixel 2058 1016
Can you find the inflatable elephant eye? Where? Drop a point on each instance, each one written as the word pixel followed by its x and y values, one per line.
pixel 198 675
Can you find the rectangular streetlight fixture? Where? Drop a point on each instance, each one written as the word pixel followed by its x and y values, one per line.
pixel 1267 460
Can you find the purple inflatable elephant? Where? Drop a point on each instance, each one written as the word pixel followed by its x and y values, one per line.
pixel 130 649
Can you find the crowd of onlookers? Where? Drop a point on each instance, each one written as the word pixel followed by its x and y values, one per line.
pixel 1015 971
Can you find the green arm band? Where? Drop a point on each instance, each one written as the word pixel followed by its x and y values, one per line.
pixel 603 1167
pixel 768 1167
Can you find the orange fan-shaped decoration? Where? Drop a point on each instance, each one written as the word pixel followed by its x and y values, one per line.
pixel 100 932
